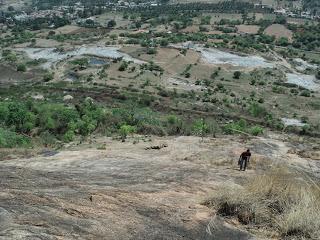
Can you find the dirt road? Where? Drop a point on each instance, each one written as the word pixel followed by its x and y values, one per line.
pixel 124 191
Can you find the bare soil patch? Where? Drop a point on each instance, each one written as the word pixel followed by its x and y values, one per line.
pixel 68 29
pixel 10 76
pixel 248 29
pixel 279 31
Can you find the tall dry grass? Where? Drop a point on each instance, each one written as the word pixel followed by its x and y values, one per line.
pixel 283 202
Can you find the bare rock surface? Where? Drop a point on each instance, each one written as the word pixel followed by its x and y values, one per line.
pixel 126 191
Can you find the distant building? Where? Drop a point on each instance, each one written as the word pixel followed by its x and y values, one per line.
pixel 281 11
pixel 22 17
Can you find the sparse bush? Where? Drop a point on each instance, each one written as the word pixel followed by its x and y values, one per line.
pixel 152 51
pixel 123 67
pixel 281 201
pixel 164 42
pixel 214 74
pixel 257 110
pixel 81 62
pixel 21 68
pixel 163 93
pixel 203 29
pixel 242 127
pixel 305 93
pixel 114 36
pixel 48 77
pixel 174 125
pixel 9 139
pixel 236 74
pixel 256 130
pixel 200 128
pixel 68 136
pixel 277 89
pixel 146 100
pixel 47 139
pixel 112 23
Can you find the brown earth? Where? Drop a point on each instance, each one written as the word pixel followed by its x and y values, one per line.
pixel 9 75
pixel 248 29
pixel 279 31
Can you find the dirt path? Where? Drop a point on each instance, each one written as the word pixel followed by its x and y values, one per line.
pixel 125 191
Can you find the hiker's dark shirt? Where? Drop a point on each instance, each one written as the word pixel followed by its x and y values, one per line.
pixel 245 155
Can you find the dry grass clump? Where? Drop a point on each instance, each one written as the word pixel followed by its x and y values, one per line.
pixel 283 203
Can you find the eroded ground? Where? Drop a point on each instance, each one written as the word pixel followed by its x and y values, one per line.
pixel 126 191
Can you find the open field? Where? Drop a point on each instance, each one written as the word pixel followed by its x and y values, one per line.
pixel 278 31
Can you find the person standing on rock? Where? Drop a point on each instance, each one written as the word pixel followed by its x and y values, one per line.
pixel 244 159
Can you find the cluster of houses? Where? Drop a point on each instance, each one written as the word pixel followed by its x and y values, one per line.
pixel 295 10
pixel 23 16
pixel 70 12
pixel 297 14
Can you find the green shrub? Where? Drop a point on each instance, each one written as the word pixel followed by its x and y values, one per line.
pixel 256 130
pixel 56 118
pixel 214 74
pixel 125 130
pixel 21 68
pixel 68 136
pixel 173 119
pixel 9 139
pixel 200 128
pixel 82 62
pixel 305 93
pixel 242 127
pixel 257 110
pixel 18 117
pixel 236 74
pixel 164 42
pixel 47 139
pixel 123 66
pixel 48 77
pixel 235 127
pixel 151 51
pixel 277 89
pixel 174 125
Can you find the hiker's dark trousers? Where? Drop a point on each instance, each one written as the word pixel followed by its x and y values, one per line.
pixel 243 163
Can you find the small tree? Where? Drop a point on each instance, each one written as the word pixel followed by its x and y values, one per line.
pixel 21 68
pixel 125 130
pixel 114 36
pixel 236 74
pixel 111 24
pixel 151 51
pixel 48 76
pixel 123 66
pixel 164 42
pixel 200 128
pixel 81 62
